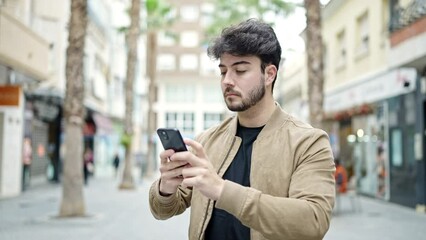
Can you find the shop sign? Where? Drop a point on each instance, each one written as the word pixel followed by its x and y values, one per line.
pixel 10 95
pixel 392 83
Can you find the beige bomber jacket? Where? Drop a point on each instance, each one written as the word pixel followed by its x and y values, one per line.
pixel 292 182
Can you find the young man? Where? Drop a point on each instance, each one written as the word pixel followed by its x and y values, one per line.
pixel 258 175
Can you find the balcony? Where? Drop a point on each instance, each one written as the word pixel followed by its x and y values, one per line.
pixel 403 17
pixel 21 48
pixel 407 29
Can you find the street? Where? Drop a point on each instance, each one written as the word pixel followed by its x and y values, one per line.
pixel 117 214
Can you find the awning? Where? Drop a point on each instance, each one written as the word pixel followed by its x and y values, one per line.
pixel 103 124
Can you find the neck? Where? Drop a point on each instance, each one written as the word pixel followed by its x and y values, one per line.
pixel 259 114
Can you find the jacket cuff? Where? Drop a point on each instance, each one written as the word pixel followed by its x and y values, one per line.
pixel 232 198
pixel 163 200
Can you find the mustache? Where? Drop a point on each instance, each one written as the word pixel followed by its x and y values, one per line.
pixel 229 90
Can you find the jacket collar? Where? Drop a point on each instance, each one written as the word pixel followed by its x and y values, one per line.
pixel 277 119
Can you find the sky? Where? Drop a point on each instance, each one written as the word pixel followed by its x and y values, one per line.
pixel 289 28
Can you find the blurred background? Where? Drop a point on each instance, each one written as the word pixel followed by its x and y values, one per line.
pixel 370 62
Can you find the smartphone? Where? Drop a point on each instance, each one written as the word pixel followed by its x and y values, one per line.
pixel 171 139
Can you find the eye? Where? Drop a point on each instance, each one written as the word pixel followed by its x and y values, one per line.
pixel 240 71
pixel 222 73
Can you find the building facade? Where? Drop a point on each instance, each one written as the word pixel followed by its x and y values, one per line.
pixel 373 99
pixel 189 93
pixel 24 61
pixel 407 28
pixel 34 38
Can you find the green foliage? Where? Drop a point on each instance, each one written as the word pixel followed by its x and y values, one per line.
pixel 228 12
pixel 151 5
pixel 126 140
pixel 159 15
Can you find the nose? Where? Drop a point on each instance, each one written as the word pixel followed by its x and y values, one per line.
pixel 227 79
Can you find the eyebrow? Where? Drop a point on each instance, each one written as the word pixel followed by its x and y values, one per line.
pixel 235 63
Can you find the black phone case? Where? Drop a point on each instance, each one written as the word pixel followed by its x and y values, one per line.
pixel 171 139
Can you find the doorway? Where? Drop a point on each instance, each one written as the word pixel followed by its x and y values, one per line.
pixel 1 147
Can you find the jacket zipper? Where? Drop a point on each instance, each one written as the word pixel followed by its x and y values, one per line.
pixel 208 203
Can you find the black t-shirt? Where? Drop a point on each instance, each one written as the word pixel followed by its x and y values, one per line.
pixel 223 225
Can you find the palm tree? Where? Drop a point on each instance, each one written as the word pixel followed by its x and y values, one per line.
pixel 158 17
pixel 132 36
pixel 315 64
pixel 72 203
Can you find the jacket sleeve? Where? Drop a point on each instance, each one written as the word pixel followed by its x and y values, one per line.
pixel 305 213
pixel 166 207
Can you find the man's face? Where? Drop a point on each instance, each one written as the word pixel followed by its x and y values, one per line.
pixel 242 82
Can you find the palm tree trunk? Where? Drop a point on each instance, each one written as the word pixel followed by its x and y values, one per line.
pixel 72 203
pixel 151 70
pixel 314 50
pixel 132 45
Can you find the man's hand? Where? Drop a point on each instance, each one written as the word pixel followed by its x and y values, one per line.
pixel 199 173
pixel 171 172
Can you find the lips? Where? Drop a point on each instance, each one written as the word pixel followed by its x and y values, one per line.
pixel 230 93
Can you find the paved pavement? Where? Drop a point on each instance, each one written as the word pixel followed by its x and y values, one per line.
pixel 117 214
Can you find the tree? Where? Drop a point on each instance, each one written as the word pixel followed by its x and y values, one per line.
pixel 72 203
pixel 233 11
pixel 132 36
pixel 314 49
pixel 158 17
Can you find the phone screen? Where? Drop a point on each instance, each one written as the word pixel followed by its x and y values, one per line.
pixel 171 139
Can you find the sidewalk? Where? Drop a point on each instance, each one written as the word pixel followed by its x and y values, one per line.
pixel 375 220
pixel 113 214
pixel 116 214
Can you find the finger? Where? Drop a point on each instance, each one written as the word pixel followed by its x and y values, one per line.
pixel 188 157
pixel 176 164
pixel 171 173
pixel 165 155
pixel 196 147
pixel 189 182
pixel 169 166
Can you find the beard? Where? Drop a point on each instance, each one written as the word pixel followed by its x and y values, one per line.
pixel 254 96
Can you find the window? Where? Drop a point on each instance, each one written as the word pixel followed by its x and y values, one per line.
pixel 188 62
pixel 363 37
pixel 396 146
pixel 208 66
pixel 166 62
pixel 189 13
pixel 410 108
pixel 184 121
pixel 118 86
pixel 180 93
pixel 341 50
pixel 189 39
pixel 324 56
pixel 212 94
pixel 212 119
pixel 166 39
pixel 207 10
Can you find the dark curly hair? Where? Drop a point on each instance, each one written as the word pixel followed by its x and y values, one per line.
pixel 250 37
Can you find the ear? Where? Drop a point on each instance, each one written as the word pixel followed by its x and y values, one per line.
pixel 270 73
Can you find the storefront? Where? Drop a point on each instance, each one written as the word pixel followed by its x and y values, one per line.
pixel 375 133
pixel 11 131
pixel 100 136
pixel 43 114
